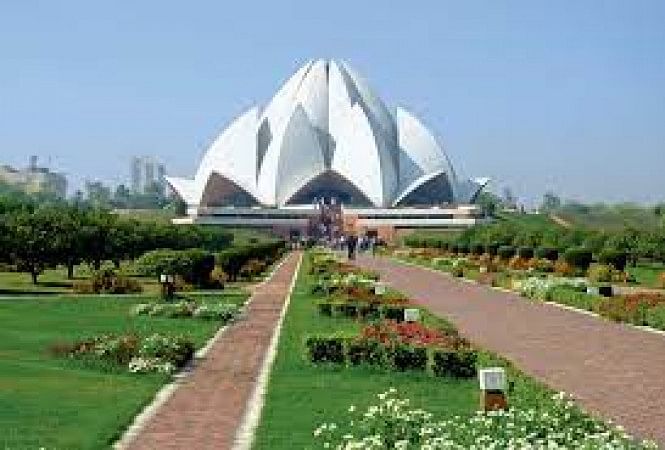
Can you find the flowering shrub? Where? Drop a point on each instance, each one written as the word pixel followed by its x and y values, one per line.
pixel 394 424
pixel 224 312
pixel 602 273
pixel 633 308
pixel 155 353
pixel 414 333
pixel 540 288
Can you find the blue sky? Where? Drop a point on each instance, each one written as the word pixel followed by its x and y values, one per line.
pixel 566 96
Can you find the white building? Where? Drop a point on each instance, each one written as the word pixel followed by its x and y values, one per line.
pixel 326 137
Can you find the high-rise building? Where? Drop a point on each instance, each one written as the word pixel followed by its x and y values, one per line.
pixel 146 171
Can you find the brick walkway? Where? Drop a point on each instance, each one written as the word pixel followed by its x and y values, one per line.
pixel 206 410
pixel 614 370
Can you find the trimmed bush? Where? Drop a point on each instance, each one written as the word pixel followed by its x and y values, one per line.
pixel 325 308
pixel 107 281
pixel 506 252
pixel 392 312
pixel 477 249
pixel 325 349
pixel 408 357
pixel 525 252
pixel 454 363
pixel 548 253
pixel 578 257
pixel 614 258
pixel 600 273
pixel 366 352
pixel 233 259
pixel 492 248
pixel 194 265
pixel 463 248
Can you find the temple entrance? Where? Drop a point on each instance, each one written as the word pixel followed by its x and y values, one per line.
pixel 328 224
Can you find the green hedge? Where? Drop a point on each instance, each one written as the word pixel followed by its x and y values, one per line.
pixel 578 257
pixel 233 259
pixel 549 253
pixel 193 265
pixel 337 349
pixel 614 258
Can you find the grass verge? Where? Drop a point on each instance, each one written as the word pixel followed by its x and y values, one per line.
pixel 55 403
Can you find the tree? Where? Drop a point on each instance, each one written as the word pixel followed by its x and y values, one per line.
pixel 33 241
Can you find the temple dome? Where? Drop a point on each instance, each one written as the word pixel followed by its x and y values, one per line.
pixel 325 133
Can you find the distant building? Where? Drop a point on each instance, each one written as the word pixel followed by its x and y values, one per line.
pixel 34 179
pixel 146 171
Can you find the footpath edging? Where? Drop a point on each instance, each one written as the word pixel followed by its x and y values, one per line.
pixel 646 328
pixel 246 431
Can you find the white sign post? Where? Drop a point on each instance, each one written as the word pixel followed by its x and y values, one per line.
pixel 411 315
pixel 492 388
pixel 379 288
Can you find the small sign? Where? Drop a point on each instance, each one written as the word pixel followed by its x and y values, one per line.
pixel 483 269
pixel 492 379
pixel 411 315
pixel 592 290
pixel 162 278
pixel 379 288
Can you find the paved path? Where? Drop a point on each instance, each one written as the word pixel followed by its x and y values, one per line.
pixel 614 370
pixel 206 411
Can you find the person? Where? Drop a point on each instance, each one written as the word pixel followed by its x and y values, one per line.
pixel 372 243
pixel 351 243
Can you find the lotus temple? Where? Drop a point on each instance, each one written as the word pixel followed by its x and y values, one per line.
pixel 326 155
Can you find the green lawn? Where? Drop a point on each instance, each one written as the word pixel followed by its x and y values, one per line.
pixel 647 274
pixel 55 403
pixel 301 396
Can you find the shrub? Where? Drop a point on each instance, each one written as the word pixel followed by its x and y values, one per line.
pixel 525 252
pixel 193 265
pixel 107 281
pixel 454 363
pixel 655 317
pixel 233 259
pixel 477 249
pixel 506 252
pixel 325 349
pixel 492 248
pixel 518 263
pixel 220 311
pixel 408 357
pixel 563 268
pixel 578 257
pixel 252 269
pixel 548 253
pixel 601 273
pixel 366 352
pixel 218 278
pixel 614 258
pixel 394 423
pixel 463 248
pixel 392 312
pixel 325 308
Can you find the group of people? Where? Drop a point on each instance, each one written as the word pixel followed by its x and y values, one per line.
pixel 352 244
